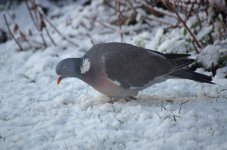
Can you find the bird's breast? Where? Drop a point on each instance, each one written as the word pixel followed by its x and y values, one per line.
pixel 99 81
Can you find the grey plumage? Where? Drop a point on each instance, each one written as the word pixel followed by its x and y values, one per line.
pixel 120 70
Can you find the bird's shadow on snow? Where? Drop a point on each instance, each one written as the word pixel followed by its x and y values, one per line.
pixel 143 99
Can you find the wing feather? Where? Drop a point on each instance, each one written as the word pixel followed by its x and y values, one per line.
pixel 133 66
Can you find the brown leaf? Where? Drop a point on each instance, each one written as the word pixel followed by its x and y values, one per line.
pixel 34 5
pixel 42 24
pixel 30 32
pixel 15 28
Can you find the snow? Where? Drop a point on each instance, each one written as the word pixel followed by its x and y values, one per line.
pixel 210 55
pixel 85 66
pixel 204 32
pixel 36 113
pixel 115 82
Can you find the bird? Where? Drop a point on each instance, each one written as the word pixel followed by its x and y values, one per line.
pixel 121 70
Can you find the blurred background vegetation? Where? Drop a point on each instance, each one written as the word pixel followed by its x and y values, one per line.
pixel 202 22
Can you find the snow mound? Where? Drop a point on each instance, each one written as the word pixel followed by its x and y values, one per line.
pixel 36 113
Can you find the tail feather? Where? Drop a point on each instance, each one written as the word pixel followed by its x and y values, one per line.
pixel 176 56
pixel 188 74
pixel 180 63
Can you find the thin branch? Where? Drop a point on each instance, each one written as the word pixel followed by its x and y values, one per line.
pixel 31 15
pixel 153 18
pixel 23 36
pixel 10 32
pixel 119 18
pixel 184 102
pixel 190 10
pixel 131 6
pixel 156 11
pixel 43 26
pixel 172 7
pixel 105 25
pixel 50 37
pixel 35 22
pixel 43 39
pixel 59 33
pixel 89 36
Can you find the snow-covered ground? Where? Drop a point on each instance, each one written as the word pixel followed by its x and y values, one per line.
pixel 36 113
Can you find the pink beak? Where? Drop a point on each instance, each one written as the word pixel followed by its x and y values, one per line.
pixel 59 80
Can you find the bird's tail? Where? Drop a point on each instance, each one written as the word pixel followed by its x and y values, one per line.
pixel 188 74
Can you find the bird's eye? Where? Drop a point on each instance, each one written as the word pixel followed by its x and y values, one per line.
pixel 64 68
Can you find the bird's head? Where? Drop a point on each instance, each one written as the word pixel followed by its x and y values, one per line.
pixel 69 67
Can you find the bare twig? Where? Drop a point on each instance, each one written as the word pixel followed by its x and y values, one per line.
pixel 162 21
pixel 156 11
pixel 193 44
pixel 172 26
pixel 23 36
pixel 43 39
pixel 59 33
pixel 131 6
pixel 39 17
pixel 31 15
pixel 105 25
pixel 190 10
pixel 43 26
pixel 34 9
pixel 35 20
pixel 119 18
pixel 50 37
pixel 107 3
pixel 10 32
pixel 184 102
pixel 89 36
pixel 162 106
pixel 172 7
pixel 199 21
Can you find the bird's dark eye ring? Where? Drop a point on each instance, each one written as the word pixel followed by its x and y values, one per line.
pixel 64 68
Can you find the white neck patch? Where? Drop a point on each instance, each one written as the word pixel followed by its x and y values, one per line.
pixel 85 66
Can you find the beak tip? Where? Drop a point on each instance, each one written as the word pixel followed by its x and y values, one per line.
pixel 59 80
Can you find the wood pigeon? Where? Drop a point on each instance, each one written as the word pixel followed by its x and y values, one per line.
pixel 121 70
